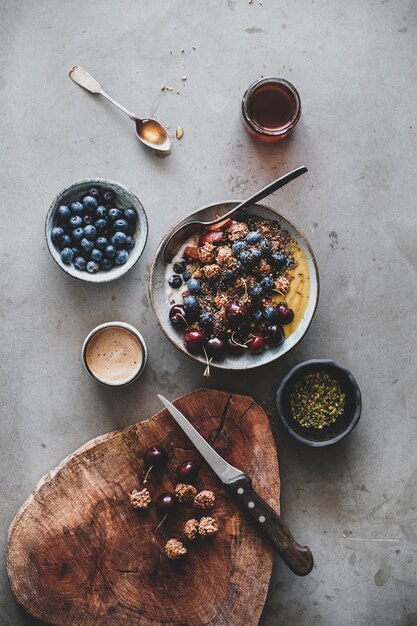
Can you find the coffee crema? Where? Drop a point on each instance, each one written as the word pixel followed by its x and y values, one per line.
pixel 114 355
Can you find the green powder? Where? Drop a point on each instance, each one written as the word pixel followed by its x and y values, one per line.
pixel 317 400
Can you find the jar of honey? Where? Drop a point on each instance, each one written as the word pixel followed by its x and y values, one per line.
pixel 271 107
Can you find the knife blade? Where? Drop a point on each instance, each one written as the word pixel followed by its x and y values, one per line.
pixel 298 558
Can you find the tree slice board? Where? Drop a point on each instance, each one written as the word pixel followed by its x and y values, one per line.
pixel 79 555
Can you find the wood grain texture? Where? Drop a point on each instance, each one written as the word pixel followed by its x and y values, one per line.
pixel 79 555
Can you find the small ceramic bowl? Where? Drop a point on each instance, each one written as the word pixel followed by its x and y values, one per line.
pixel 161 307
pixel 342 426
pixel 123 199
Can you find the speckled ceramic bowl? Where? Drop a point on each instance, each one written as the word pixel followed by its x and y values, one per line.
pixel 160 305
pixel 123 199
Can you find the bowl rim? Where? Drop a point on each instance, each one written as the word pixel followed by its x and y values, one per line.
pixel 219 365
pixel 106 276
pixel 356 395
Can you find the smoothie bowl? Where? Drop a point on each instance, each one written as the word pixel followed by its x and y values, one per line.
pixel 239 296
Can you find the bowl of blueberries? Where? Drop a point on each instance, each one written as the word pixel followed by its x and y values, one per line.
pixel 96 230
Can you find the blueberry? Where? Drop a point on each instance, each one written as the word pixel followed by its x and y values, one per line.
pixel 179 267
pixel 245 258
pixel 238 246
pixel 271 313
pixel 96 254
pixel 121 225
pixel 121 257
pixel 186 276
pixel 290 262
pixel 207 321
pixel 76 221
pixel 253 237
pixel 94 192
pixel 115 214
pixel 86 245
pixel 267 283
pixel 80 263
pixel 65 241
pixel 90 232
pixel 228 277
pixel 63 213
pixel 101 212
pixel 90 203
pixel 66 255
pixel 108 197
pixel 257 316
pixel 194 286
pixel 88 219
pixel 106 265
pixel 76 251
pixel 192 307
pixel 119 239
pixel 57 233
pixel 100 225
pixel 78 234
pixel 279 259
pixel 265 246
pixel 255 255
pixel 131 215
pixel 77 208
pixel 256 292
pixel 110 252
pixel 92 267
pixel 101 243
pixel 130 242
pixel 175 281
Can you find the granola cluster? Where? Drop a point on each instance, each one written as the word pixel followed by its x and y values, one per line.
pixel 140 499
pixel 185 493
pixel 175 549
pixel 205 499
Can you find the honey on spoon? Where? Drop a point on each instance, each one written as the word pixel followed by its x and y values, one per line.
pixel 149 131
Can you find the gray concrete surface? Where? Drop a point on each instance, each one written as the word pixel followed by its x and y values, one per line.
pixel 354 65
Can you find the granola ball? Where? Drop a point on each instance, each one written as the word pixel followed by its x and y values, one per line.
pixel 140 499
pixel 238 230
pixel 206 253
pixel 212 271
pixel 205 500
pixel 174 549
pixel 185 493
pixel 282 284
pixel 225 257
pixel 207 526
pixel 190 529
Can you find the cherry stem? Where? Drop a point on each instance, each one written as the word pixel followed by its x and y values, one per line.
pixel 208 361
pixel 242 345
pixel 145 480
pixel 160 524
pixel 186 323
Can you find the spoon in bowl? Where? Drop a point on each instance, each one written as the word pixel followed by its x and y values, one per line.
pixel 184 231
pixel 149 131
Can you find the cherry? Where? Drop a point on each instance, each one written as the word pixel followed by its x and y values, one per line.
pixel 215 347
pixel 285 314
pixel 187 471
pixel 233 348
pixel 166 503
pixel 256 344
pixel 274 335
pixel 155 456
pixel 193 340
pixel 236 313
pixel 212 236
pixel 177 316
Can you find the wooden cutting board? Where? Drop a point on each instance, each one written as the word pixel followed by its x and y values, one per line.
pixel 79 555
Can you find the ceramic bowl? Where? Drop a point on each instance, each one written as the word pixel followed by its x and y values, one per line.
pixel 160 305
pixel 343 426
pixel 123 198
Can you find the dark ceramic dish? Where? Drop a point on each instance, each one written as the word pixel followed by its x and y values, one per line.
pixel 343 426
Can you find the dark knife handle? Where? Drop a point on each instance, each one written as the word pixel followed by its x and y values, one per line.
pixel 298 558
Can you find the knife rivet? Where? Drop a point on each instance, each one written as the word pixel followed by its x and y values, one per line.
pixel 240 491
pixel 251 505
pixel 261 519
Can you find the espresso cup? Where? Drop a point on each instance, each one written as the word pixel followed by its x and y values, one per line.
pixel 114 354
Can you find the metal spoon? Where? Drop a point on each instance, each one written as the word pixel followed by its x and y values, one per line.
pixel 186 230
pixel 149 131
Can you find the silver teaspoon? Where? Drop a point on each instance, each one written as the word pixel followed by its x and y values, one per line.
pixel 186 230
pixel 149 131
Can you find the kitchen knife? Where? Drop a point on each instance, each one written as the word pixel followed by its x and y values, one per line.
pixel 298 558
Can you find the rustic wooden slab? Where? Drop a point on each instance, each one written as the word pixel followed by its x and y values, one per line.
pixel 78 554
